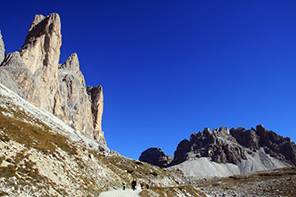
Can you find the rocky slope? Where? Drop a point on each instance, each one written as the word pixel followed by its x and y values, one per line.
pixel 35 74
pixel 223 153
pixel 42 156
pixel 279 182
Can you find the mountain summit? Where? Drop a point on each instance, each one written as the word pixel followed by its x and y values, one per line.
pixel 35 74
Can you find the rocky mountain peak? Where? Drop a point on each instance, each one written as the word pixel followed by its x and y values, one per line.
pixel 35 74
pixel 42 44
pixel 37 19
pixel 277 146
pixel 218 144
pixel 224 130
pixel 72 63
pixel 51 22
pixel 250 150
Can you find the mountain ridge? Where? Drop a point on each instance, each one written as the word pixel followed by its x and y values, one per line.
pixel 238 151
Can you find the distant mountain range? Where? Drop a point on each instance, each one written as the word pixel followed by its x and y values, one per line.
pixel 222 152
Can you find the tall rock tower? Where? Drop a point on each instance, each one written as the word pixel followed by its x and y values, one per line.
pixel 41 53
pixel 2 49
pixel 36 75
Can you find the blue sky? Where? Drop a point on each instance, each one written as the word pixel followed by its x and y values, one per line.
pixel 172 68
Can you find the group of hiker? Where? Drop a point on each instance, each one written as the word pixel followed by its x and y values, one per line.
pixel 134 184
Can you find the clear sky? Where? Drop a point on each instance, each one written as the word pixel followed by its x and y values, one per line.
pixel 171 68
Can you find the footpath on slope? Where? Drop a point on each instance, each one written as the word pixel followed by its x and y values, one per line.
pixel 121 193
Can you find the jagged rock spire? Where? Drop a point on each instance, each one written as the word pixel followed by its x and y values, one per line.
pixel 97 102
pixel 43 42
pixel 2 49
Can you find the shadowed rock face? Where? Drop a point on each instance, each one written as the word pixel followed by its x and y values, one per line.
pixel 224 146
pixel 247 138
pixel 275 145
pixel 96 95
pixel 36 75
pixel 15 75
pixel 155 156
pixel 219 145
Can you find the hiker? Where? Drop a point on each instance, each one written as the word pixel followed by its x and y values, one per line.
pixel 134 183
pixel 142 185
pixel 123 184
pixel 147 186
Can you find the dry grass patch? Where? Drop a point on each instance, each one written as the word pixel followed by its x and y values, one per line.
pixel 37 136
pixel 278 182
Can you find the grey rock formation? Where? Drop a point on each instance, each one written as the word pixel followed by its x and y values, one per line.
pixel 42 45
pixel 41 53
pixel 96 95
pixel 219 145
pixel 275 145
pixel 15 75
pixel 247 138
pixel 155 156
pixel 234 146
pixel 2 49
pixel 72 104
pixel 36 75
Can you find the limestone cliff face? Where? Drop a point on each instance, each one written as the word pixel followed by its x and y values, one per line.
pixel 41 53
pixel 96 94
pixel 42 45
pixel 2 49
pixel 15 75
pixel 71 101
pixel 36 75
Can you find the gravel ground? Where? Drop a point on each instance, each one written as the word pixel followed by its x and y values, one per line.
pixel 261 184
pixel 121 193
